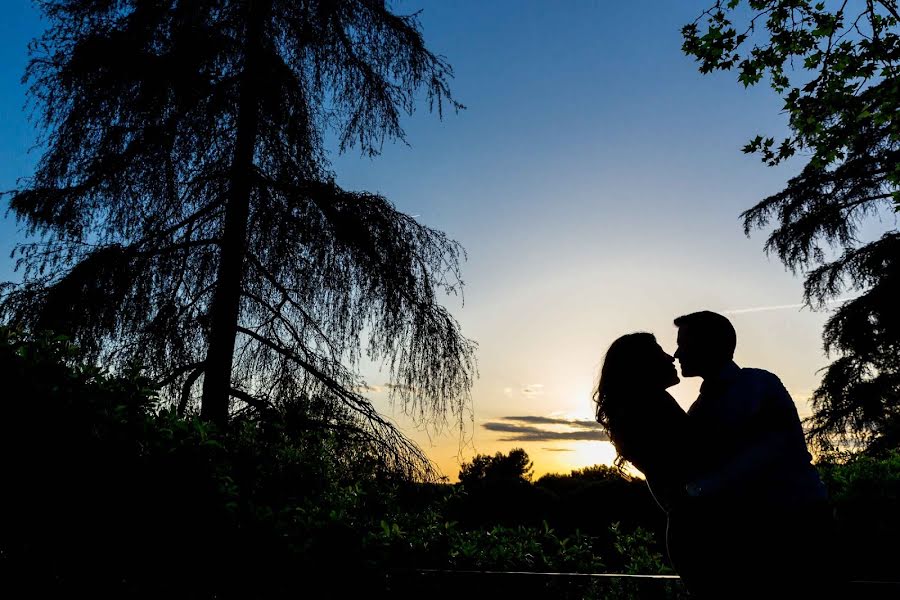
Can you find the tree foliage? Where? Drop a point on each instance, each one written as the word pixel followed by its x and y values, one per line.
pixel 865 491
pixel 837 68
pixel 500 468
pixel 188 219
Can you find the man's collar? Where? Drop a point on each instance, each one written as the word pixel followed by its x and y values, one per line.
pixel 726 375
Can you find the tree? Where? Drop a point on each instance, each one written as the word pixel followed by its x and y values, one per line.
pixel 837 67
pixel 188 220
pixel 498 491
pixel 500 468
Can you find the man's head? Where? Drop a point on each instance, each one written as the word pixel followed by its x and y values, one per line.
pixel 706 342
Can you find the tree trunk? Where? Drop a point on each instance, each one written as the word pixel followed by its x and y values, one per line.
pixel 225 308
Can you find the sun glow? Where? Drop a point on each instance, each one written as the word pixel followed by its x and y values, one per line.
pixel 568 456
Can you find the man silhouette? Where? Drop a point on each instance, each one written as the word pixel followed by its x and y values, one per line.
pixel 757 515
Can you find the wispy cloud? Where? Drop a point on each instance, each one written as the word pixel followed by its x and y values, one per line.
pixel 536 420
pixel 558 449
pixel 523 429
pixel 367 389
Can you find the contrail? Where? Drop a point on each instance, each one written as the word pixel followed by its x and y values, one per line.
pixel 742 311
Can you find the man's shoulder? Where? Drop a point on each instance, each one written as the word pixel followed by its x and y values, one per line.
pixel 764 385
pixel 761 376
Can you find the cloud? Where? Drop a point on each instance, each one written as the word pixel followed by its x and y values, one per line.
pixel 535 420
pixel 523 429
pixel 558 449
pixel 533 389
pixel 371 389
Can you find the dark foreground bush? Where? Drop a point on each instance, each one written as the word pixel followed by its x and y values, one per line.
pixel 865 493
pixel 106 494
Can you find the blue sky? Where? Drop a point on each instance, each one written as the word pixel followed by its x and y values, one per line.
pixel 595 180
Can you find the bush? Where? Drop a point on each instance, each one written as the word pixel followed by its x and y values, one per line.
pixel 865 493
pixel 109 494
pixel 103 492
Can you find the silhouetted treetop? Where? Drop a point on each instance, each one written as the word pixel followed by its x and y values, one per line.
pixel 484 469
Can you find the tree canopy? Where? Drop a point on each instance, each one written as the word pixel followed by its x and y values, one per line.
pixel 187 218
pixel 837 68
pixel 514 467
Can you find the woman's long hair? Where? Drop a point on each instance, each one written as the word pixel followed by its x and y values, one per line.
pixel 624 369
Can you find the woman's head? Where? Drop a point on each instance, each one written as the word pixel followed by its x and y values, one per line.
pixel 634 363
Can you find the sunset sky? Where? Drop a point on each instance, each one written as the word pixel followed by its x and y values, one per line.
pixel 595 180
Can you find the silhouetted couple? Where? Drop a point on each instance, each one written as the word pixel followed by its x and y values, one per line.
pixel 747 513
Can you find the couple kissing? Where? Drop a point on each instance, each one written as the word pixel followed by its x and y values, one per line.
pixel 748 516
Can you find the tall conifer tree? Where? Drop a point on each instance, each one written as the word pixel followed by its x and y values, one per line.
pixel 188 218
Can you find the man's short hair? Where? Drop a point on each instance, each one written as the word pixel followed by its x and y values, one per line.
pixel 715 330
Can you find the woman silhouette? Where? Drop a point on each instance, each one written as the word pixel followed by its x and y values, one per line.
pixel 651 431
pixel 644 422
